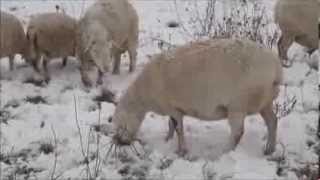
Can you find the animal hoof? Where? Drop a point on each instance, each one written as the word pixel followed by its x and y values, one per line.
pixel 47 80
pixel 269 149
pixel 286 64
pixel 116 72
pixel 64 63
pixel 99 81
pixel 168 137
pixel 131 69
pixel 87 84
pixel 182 152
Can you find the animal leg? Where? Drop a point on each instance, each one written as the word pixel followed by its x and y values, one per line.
pixel 64 62
pixel 116 63
pixel 172 127
pixel 283 45
pixel 100 77
pixel 11 62
pixel 133 57
pixel 45 69
pixel 85 77
pixel 236 122
pixel 182 148
pixel 36 64
pixel 271 121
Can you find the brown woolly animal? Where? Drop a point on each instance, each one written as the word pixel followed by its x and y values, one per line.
pixel 209 80
pixel 108 29
pixel 298 21
pixel 50 35
pixel 12 37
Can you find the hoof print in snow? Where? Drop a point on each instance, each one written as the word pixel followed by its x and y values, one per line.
pixel 172 24
pixel 36 100
pixel 38 83
pixel 46 148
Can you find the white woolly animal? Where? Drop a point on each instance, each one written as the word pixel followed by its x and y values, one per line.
pixel 50 35
pixel 108 29
pixel 298 21
pixel 209 80
pixel 12 37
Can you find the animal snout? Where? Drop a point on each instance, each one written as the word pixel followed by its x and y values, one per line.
pixel 121 140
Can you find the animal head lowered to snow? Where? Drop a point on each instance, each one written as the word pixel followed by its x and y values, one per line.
pixel 93 48
pixel 108 29
pixel 127 119
pixel 127 126
pixel 122 137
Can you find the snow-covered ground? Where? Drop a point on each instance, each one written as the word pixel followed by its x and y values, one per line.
pixel 40 135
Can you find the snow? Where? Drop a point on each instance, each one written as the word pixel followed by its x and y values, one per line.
pixel 31 125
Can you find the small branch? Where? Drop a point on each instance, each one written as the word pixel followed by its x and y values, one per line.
pixel 78 125
pixel 87 158
pixel 55 154
pixel 180 20
pixel 204 173
pixel 109 150
pixel 98 161
pixel 80 137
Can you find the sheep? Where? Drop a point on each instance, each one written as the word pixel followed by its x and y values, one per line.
pixel 12 37
pixel 50 35
pixel 108 29
pixel 298 21
pixel 209 80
